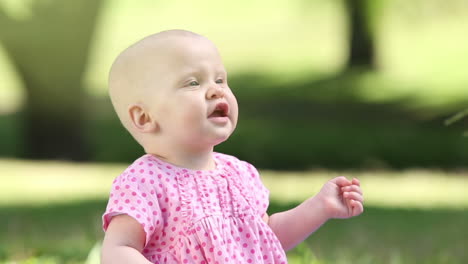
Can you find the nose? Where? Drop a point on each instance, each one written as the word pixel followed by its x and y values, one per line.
pixel 214 92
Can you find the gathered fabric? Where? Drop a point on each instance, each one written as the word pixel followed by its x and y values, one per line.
pixel 191 216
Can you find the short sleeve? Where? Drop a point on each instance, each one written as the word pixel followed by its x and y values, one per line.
pixel 260 192
pixel 131 195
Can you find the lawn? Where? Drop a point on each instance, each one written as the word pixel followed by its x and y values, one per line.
pixel 50 213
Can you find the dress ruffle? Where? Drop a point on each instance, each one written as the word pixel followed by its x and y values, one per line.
pixel 206 216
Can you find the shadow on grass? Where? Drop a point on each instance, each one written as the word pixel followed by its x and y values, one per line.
pixel 390 235
pixel 68 231
pixel 319 121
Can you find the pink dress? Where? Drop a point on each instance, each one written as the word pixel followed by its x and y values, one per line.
pixel 197 216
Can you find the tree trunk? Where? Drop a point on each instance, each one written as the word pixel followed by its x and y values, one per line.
pixel 53 124
pixel 50 51
pixel 361 42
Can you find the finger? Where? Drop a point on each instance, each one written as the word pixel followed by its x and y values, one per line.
pixel 353 196
pixel 352 188
pixel 358 208
pixel 341 181
pixel 350 206
pixel 356 182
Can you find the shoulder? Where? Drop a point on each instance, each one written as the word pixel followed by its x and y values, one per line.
pixel 240 166
pixel 140 170
pixel 231 161
pixel 143 164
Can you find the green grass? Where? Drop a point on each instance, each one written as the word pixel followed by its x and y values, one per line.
pixel 45 182
pixel 50 213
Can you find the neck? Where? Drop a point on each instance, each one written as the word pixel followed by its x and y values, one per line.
pixel 199 160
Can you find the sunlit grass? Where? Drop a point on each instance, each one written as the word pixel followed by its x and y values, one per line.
pixel 51 214
pixel 28 182
pixel 33 182
pixel 406 189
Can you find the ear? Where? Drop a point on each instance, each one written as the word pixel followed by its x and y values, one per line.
pixel 141 119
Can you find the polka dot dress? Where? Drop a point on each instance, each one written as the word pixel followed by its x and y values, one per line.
pixel 194 216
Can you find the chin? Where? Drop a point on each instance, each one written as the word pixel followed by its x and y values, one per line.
pixel 221 138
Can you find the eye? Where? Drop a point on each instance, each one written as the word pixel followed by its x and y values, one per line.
pixel 220 81
pixel 194 83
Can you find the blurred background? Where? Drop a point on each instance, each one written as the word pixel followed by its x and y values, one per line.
pixel 325 88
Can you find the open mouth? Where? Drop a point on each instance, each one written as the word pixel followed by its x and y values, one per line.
pixel 221 110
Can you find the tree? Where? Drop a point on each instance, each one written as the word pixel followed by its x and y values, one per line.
pixel 49 51
pixel 361 46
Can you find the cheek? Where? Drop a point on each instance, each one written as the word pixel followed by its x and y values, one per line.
pixel 178 113
pixel 233 104
pixel 189 118
pixel 191 110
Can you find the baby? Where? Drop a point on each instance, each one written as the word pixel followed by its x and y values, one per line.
pixel 182 202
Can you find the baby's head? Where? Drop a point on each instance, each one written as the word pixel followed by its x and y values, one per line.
pixel 170 91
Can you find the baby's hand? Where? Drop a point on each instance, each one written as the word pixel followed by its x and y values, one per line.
pixel 342 198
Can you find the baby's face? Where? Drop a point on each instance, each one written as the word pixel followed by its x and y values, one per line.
pixel 189 96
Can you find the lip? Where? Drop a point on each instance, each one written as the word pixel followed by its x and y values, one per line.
pixel 220 108
pixel 220 113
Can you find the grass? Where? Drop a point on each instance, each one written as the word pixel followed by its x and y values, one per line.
pixel 39 183
pixel 50 213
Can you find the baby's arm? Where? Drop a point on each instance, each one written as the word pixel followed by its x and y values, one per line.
pixel 123 241
pixel 338 198
pixel 293 226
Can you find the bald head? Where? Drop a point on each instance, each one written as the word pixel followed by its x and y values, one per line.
pixel 139 66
